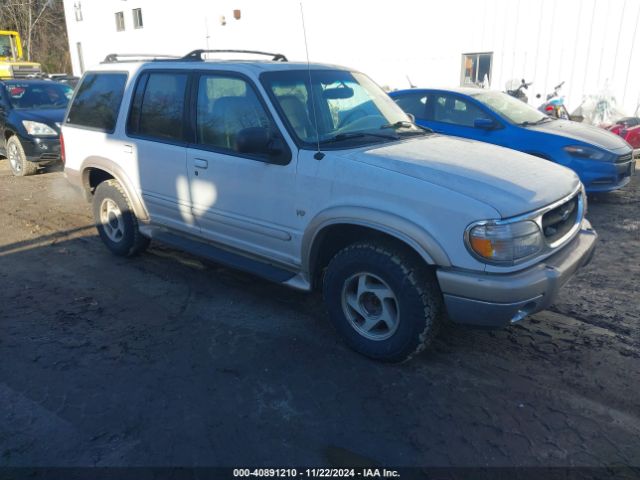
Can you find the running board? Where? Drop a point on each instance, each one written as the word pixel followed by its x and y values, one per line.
pixel 224 257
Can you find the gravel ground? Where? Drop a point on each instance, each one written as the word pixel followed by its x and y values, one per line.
pixel 165 360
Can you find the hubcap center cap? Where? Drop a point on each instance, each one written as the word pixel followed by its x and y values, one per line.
pixel 113 220
pixel 371 304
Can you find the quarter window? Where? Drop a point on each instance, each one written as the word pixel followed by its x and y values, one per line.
pixel 158 106
pixel 119 21
pixel 137 18
pixel 227 105
pixel 97 102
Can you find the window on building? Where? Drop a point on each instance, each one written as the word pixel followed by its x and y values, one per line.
pixel 476 69
pixel 119 21
pixel 455 110
pixel 158 106
pixel 227 105
pixel 97 102
pixel 77 8
pixel 137 18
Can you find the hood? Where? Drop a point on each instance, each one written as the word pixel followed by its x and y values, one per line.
pixel 50 116
pixel 511 182
pixel 584 133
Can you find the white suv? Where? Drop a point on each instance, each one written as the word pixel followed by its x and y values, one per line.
pixel 311 176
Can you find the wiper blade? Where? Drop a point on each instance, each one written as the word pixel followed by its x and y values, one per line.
pixel 537 122
pixel 405 124
pixel 400 124
pixel 350 135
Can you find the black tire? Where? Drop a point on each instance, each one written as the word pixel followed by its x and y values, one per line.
pixel 417 297
pixel 20 166
pixel 115 220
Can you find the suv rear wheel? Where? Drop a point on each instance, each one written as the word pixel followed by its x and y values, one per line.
pixel 385 303
pixel 115 220
pixel 20 166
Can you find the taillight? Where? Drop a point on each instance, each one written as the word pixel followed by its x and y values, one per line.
pixel 62 154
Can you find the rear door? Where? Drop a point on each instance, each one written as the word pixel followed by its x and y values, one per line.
pixel 157 127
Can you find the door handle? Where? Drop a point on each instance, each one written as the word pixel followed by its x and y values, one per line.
pixel 200 163
pixel 128 148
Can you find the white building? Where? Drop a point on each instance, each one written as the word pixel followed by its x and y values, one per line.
pixel 589 44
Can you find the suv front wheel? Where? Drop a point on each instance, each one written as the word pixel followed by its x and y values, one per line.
pixel 115 220
pixel 385 303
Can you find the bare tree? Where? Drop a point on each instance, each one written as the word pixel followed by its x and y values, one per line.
pixel 42 28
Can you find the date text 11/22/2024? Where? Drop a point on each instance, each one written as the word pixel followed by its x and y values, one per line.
pixel 316 473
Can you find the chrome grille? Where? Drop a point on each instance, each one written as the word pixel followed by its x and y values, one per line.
pixel 624 158
pixel 560 221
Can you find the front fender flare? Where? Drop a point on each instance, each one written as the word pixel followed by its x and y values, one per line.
pixel 404 230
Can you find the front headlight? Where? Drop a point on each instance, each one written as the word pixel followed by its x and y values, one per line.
pixel 39 129
pixel 501 242
pixel 582 151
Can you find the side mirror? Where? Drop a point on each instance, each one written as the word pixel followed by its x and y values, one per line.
pixel 253 140
pixel 260 141
pixel 484 123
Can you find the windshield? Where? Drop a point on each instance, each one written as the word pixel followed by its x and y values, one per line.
pixel 38 95
pixel 511 108
pixel 347 107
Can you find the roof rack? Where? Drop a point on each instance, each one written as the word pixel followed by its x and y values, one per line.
pixel 197 55
pixel 140 57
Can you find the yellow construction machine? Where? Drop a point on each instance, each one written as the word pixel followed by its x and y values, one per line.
pixel 12 65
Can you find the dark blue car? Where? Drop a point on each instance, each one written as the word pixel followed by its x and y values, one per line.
pixel 601 159
pixel 31 112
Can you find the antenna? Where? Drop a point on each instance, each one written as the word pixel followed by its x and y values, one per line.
pixel 206 29
pixel 410 82
pixel 318 155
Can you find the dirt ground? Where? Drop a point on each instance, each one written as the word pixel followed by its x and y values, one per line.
pixel 165 360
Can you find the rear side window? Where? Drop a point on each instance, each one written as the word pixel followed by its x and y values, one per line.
pixel 158 106
pixel 97 102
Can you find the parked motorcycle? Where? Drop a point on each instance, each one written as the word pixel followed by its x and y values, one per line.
pixel 516 89
pixel 554 104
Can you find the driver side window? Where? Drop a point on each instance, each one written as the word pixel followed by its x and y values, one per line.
pixel 226 106
pixel 455 110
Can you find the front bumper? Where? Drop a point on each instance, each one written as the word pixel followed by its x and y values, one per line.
pixel 606 177
pixel 41 149
pixel 497 300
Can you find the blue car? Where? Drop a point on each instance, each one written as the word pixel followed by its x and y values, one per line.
pixel 602 160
